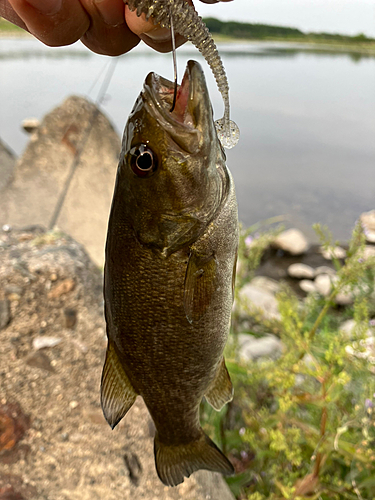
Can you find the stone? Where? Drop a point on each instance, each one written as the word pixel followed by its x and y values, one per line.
pixel 369 252
pixel 325 270
pixel 348 327
pixel 333 253
pixel 39 176
pixel 267 284
pixel 367 220
pixel 252 348
pixel 7 164
pixel 30 125
pixel 40 360
pixel 292 241
pixel 323 284
pixel 65 286
pixel 43 342
pixel 252 298
pixel 344 298
pixel 301 271
pixel 70 316
pixel 307 286
pixel 4 313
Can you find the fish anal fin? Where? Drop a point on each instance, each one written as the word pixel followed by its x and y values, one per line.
pixel 199 285
pixel 116 394
pixel 173 463
pixel 220 391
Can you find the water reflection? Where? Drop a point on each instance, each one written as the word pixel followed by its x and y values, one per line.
pixel 306 117
pixel 232 50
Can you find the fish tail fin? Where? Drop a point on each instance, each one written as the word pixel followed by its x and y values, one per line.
pixel 173 463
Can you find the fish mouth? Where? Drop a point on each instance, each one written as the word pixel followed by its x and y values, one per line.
pixel 191 118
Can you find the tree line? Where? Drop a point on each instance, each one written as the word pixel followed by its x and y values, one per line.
pixel 257 31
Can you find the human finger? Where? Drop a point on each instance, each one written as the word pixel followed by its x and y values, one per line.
pixel 7 12
pixel 154 36
pixel 54 22
pixel 215 1
pixel 108 32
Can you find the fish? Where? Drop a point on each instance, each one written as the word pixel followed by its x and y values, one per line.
pixel 169 273
pixel 187 23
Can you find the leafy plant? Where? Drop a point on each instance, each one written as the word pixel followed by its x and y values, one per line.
pixel 303 426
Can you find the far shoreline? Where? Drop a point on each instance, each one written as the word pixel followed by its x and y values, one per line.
pixel 297 44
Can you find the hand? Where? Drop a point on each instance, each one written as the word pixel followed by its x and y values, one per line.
pixel 104 26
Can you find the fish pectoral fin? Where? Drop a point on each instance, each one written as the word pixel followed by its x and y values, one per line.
pixel 116 394
pixel 173 463
pixel 199 285
pixel 220 391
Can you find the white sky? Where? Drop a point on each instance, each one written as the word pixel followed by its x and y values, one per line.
pixel 348 17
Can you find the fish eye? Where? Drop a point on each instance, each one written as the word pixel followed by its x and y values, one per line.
pixel 143 161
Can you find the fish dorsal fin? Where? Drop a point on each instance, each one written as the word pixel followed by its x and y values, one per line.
pixel 220 391
pixel 199 285
pixel 175 462
pixel 117 394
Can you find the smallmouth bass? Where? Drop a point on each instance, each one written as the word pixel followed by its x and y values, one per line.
pixel 169 273
pixel 188 24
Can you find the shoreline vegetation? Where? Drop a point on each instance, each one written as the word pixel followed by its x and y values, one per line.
pixel 233 31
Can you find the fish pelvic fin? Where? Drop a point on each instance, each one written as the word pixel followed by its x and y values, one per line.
pixel 116 394
pixel 220 391
pixel 173 463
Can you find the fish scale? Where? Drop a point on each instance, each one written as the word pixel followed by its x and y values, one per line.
pixel 187 23
pixel 169 274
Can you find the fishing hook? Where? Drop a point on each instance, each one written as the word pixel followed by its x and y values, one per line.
pixel 174 63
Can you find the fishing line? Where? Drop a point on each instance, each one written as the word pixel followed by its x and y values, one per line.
pixel 98 77
pixel 174 63
pixel 83 141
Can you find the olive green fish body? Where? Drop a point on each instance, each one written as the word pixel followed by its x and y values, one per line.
pixel 170 255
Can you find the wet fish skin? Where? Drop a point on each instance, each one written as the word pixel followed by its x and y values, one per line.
pixel 169 273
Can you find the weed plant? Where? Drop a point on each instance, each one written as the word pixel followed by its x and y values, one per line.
pixel 303 426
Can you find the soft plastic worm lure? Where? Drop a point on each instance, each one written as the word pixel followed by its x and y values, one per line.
pixel 188 24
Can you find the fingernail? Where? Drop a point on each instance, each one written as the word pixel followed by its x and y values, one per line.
pixel 49 7
pixel 112 13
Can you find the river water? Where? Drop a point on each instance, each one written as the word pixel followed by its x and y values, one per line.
pixel 307 120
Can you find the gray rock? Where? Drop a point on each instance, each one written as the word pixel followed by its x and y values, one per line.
pixel 307 286
pixel 266 284
pixel 42 342
pixel 325 270
pixel 30 125
pixel 40 175
pixel 301 271
pixel 252 348
pixel 333 253
pixel 253 298
pixel 7 163
pixel 4 313
pixel 348 327
pixel 368 223
pixel 345 298
pixel 369 252
pixel 323 284
pixel 292 241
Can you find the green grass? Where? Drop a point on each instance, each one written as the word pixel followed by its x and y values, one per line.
pixel 7 27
